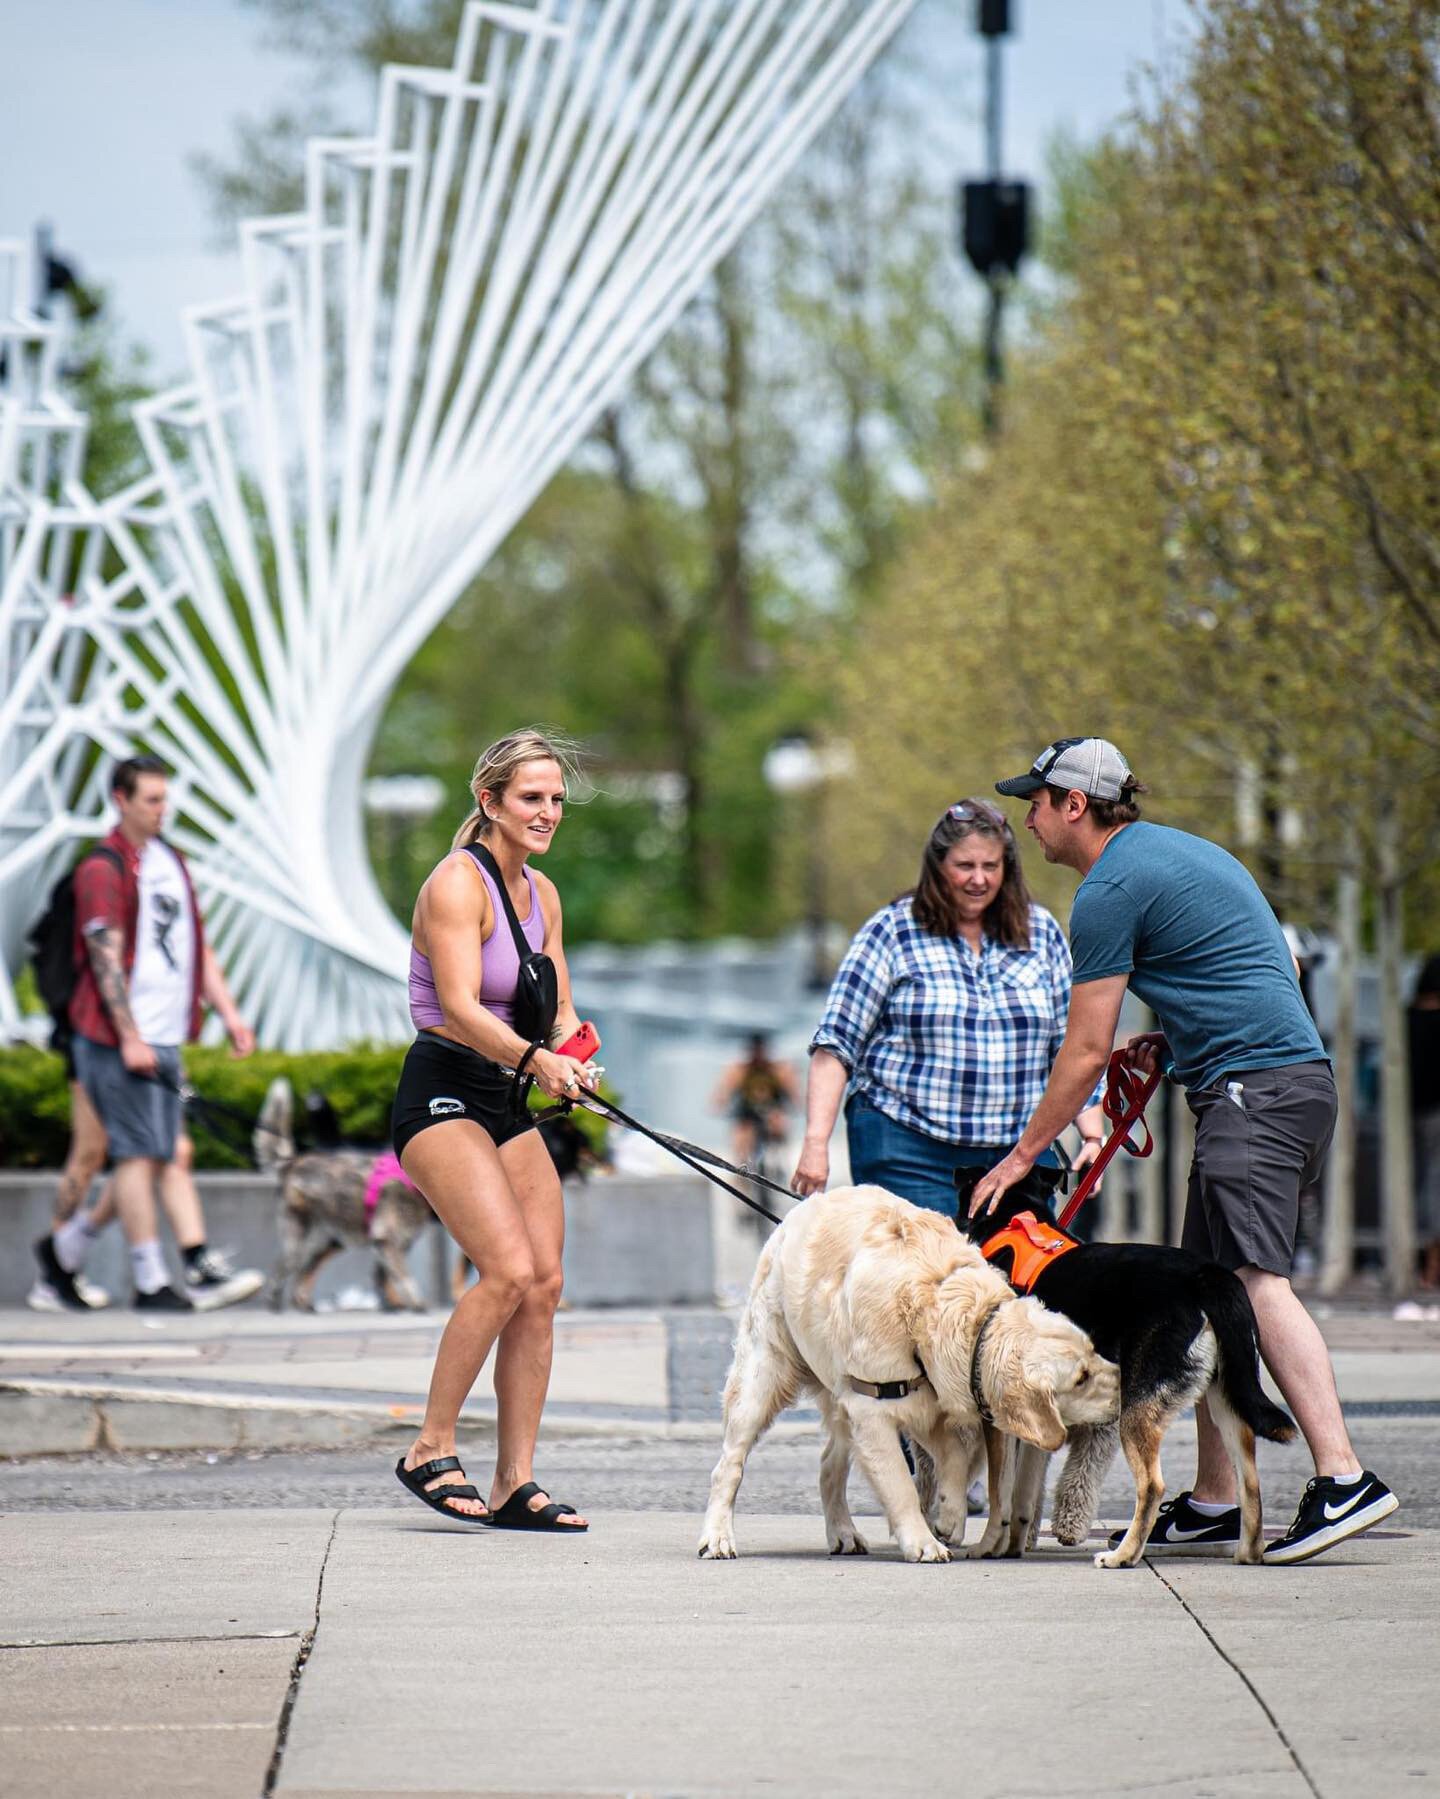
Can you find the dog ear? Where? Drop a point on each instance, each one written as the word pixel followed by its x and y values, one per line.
pixel 1030 1413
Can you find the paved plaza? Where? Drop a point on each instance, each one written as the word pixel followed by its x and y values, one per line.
pixel 246 1618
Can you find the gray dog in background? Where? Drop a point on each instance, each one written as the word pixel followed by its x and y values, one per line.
pixel 323 1210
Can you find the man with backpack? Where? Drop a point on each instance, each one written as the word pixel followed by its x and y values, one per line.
pixel 142 973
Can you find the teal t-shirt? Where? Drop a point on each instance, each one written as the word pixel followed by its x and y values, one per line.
pixel 1186 922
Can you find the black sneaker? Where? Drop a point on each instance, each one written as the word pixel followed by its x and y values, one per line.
pixel 1180 1530
pixel 1330 1511
pixel 163 1299
pixel 55 1290
pixel 214 1283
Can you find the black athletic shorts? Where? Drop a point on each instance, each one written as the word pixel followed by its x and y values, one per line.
pixel 1260 1136
pixel 441 1080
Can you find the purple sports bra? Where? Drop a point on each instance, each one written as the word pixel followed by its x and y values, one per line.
pixel 499 968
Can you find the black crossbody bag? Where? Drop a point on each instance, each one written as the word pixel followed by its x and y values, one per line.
pixel 537 991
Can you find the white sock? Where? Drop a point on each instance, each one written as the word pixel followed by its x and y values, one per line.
pixel 1346 1480
pixel 72 1242
pixel 147 1262
pixel 1208 1508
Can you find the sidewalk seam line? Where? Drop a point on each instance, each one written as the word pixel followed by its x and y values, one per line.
pixel 240 1636
pixel 1243 1677
pixel 302 1656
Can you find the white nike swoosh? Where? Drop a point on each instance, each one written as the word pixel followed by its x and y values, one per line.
pixel 1173 1533
pixel 1332 1512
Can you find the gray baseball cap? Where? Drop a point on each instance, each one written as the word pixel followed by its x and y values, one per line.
pixel 1088 763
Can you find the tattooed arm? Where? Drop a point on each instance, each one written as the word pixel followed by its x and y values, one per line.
pixel 104 945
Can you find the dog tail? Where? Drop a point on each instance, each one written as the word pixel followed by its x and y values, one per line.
pixel 1232 1318
pixel 273 1140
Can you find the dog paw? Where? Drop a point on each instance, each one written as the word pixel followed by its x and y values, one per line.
pixel 1069 1538
pixel 930 1550
pixel 1114 1558
pixel 717 1548
pixel 848 1541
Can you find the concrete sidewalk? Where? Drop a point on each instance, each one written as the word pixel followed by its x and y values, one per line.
pixel 251 1379
pixel 384 1652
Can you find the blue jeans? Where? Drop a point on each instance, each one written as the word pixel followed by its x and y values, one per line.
pixel 918 1168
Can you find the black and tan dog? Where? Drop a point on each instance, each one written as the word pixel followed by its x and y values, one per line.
pixel 1180 1327
pixel 334 1199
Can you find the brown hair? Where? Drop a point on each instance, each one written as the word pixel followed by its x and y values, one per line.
pixel 125 776
pixel 497 767
pixel 1105 813
pixel 1007 917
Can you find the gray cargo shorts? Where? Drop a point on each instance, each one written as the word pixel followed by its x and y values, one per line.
pixel 141 1116
pixel 1260 1136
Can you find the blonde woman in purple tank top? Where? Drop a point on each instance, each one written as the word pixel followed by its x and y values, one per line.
pixel 480 1164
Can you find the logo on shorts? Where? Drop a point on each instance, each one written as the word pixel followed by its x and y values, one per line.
pixel 442 1108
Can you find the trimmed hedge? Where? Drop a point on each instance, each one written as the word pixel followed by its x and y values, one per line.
pixel 358 1082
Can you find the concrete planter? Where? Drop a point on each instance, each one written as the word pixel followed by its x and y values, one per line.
pixel 631 1240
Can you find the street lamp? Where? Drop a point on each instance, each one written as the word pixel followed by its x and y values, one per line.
pixel 793 767
pixel 995 212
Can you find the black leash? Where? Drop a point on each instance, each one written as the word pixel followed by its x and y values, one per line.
pixel 691 1154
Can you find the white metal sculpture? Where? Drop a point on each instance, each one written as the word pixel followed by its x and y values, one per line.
pixel 414 355
pixel 45 550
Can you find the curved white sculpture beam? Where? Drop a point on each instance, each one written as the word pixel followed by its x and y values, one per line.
pixel 45 658
pixel 414 355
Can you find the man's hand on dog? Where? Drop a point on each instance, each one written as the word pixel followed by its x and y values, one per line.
pixel 1001 1178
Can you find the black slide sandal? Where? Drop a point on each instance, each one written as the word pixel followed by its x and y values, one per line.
pixel 515 1514
pixel 414 1479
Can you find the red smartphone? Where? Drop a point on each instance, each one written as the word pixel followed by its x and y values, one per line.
pixel 582 1045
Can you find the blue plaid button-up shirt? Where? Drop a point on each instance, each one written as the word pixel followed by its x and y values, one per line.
pixel 948 1042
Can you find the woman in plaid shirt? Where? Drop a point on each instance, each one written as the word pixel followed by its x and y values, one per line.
pixel 942 1023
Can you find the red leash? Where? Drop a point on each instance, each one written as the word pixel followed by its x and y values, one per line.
pixel 1126 1097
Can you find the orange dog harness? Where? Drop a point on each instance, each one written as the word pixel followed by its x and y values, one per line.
pixel 1035 1246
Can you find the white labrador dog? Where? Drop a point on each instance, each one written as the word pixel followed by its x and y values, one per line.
pixel 896 1323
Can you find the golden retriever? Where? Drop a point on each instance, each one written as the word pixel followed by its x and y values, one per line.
pixel 858 1288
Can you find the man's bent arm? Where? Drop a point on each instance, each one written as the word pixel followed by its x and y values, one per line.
pixel 1089 1039
pixel 1089 1035
pixel 215 991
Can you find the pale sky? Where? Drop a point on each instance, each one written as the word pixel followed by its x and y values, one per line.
pixel 102 102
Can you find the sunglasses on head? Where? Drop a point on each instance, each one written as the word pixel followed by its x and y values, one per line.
pixel 970 812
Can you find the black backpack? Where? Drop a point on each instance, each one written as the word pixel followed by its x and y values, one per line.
pixel 537 992
pixel 52 948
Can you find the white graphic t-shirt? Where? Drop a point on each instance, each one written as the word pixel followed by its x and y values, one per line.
pixel 162 980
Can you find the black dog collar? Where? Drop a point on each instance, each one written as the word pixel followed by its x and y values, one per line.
pixel 976 1391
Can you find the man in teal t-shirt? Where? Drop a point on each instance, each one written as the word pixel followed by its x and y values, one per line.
pixel 1182 923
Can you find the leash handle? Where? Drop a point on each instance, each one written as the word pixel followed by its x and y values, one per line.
pixel 1126 1097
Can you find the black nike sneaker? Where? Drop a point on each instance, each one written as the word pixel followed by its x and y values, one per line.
pixel 55 1289
pixel 163 1299
pixel 1330 1511
pixel 1180 1530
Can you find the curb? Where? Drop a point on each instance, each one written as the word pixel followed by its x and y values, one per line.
pixel 61 1417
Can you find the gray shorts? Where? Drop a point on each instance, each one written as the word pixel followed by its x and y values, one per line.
pixel 1253 1154
pixel 141 1116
